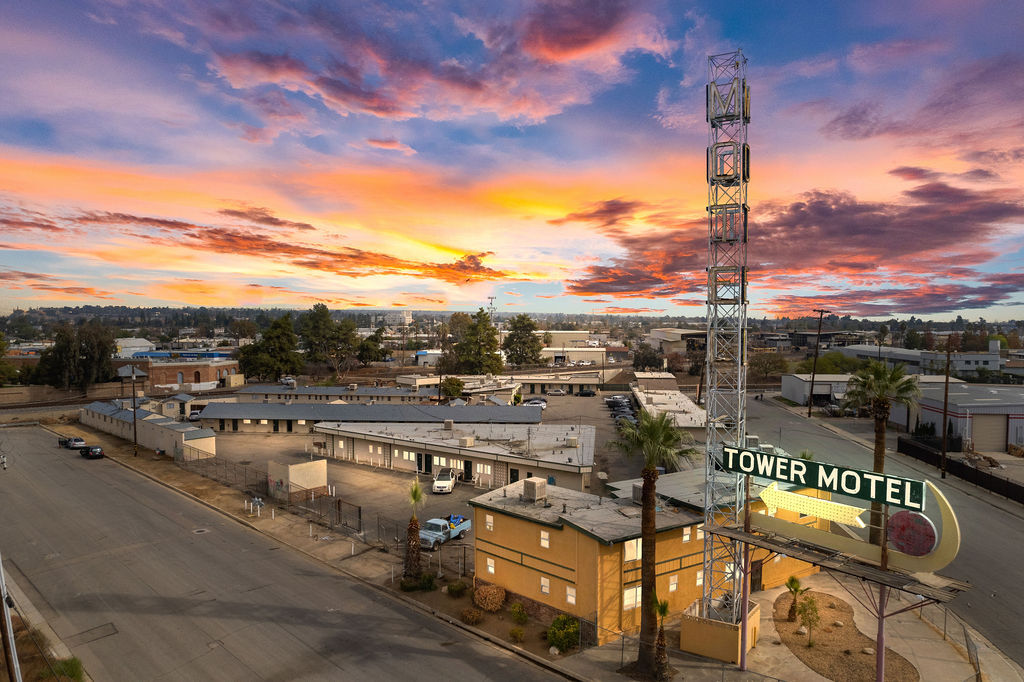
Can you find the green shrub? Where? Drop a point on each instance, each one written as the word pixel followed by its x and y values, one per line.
pixel 564 632
pixel 65 668
pixel 472 616
pixel 515 635
pixel 457 589
pixel 409 584
pixel 519 613
pixel 427 582
pixel 489 597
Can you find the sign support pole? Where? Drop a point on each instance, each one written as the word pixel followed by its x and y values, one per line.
pixel 745 600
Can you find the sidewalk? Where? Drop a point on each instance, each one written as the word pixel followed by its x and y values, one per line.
pixel 907 634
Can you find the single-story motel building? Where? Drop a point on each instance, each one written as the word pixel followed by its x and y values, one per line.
pixel 578 553
pixel 351 393
pixel 299 418
pixel 155 431
pixel 488 455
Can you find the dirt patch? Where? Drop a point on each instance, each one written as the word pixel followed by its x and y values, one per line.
pixel 838 651
pixel 35 664
pixel 497 624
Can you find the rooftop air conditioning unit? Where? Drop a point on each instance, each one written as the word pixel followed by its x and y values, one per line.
pixel 572 442
pixel 753 441
pixel 449 424
pixel 353 387
pixel 638 493
pixel 535 489
pixel 467 441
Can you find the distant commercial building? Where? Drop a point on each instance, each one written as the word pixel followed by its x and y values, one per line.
pixel 930 362
pixel 128 347
pixel 831 388
pixel 674 340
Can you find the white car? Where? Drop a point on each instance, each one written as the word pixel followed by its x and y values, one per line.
pixel 445 481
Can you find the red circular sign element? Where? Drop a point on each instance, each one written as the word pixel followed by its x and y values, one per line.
pixel 912 533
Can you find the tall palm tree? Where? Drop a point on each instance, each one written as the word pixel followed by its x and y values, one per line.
pixel 877 387
pixel 658 441
pixel 412 568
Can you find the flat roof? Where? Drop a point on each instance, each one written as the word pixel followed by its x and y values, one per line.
pixel 604 519
pixel 976 396
pixel 928 585
pixel 339 391
pixel 467 414
pixel 919 378
pixel 542 443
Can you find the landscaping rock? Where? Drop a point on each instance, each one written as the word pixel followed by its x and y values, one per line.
pixel 868 650
pixel 837 624
pixel 554 651
pixel 801 630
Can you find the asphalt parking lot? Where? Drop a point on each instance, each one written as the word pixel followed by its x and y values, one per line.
pixel 573 409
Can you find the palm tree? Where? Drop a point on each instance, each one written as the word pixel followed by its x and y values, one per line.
pixel 877 387
pixel 661 655
pixel 657 440
pixel 412 567
pixel 793 585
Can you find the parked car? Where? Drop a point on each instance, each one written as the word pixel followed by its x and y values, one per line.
pixel 70 443
pixel 91 452
pixel 436 532
pixel 542 404
pixel 556 391
pixel 586 393
pixel 445 480
pixel 193 416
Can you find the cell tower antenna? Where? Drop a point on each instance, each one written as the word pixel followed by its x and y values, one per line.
pixel 490 307
pixel 728 170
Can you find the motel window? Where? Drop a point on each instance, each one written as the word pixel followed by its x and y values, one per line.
pixel 247 421
pixel 455 463
pixel 632 550
pixel 631 598
pixel 673 583
pixel 686 534
pixel 489 522
pixel 570 594
pixel 443 460
pixel 700 578
pixel 700 534
pixel 545 539
pixel 490 565
pixel 437 461
pixel 300 421
pixel 263 421
pixel 545 585
pixel 483 469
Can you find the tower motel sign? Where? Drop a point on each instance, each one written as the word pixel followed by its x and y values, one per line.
pixel 864 485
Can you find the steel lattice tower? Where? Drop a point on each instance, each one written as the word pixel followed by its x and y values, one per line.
pixel 728 169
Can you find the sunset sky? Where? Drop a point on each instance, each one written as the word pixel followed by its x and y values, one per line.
pixel 551 154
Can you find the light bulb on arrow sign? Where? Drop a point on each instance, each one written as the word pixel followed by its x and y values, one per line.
pixel 811 506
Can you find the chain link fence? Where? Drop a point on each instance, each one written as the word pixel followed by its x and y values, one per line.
pixel 323 509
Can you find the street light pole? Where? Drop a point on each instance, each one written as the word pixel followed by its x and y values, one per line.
pixel 814 365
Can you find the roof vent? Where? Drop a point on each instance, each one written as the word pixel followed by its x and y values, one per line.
pixel 535 489
pixel 449 424
pixel 572 442
pixel 467 441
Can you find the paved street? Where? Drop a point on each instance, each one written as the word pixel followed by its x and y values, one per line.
pixel 992 546
pixel 143 584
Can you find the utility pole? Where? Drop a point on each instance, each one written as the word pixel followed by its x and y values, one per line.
pixel 135 428
pixel 814 365
pixel 945 406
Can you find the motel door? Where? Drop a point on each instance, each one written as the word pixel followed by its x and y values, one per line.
pixel 755 576
pixel 423 462
pixel 467 470
pixel 513 475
